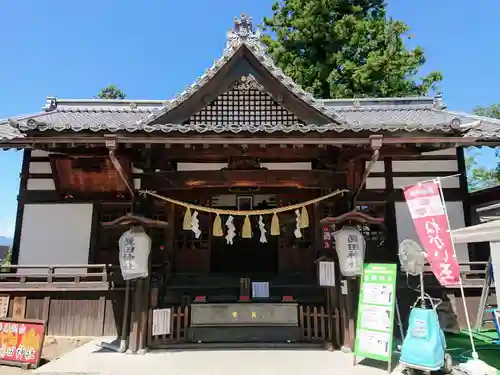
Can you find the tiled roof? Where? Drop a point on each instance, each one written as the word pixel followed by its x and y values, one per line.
pixel 390 114
pixel 8 132
pixel 399 114
pixel 484 128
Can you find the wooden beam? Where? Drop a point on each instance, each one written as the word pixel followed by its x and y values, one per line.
pixel 316 139
pixel 376 144
pixel 246 178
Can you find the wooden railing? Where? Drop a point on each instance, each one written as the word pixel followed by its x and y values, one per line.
pixel 317 326
pixel 55 277
pixel 105 277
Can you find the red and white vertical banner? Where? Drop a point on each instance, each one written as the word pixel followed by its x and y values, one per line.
pixel 431 224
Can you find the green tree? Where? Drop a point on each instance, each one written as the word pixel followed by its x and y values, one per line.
pixel 345 49
pixel 480 177
pixel 6 261
pixel 492 111
pixel 111 92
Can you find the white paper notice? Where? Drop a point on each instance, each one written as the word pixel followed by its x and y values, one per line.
pixel 376 317
pixel 260 289
pixel 378 294
pixel 326 273
pixel 374 342
pixel 161 322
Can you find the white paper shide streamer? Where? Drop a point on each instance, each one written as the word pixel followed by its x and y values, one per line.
pixel 195 225
pixel 297 232
pixel 231 230
pixel 263 230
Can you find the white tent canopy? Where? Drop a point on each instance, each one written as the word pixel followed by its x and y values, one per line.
pixel 484 232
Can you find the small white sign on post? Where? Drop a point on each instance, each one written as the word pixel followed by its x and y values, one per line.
pixel 161 322
pixel 326 273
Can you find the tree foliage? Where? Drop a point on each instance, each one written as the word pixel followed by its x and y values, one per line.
pixel 6 261
pixel 492 111
pixel 480 177
pixel 345 49
pixel 111 92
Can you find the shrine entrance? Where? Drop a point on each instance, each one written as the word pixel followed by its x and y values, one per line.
pixel 244 257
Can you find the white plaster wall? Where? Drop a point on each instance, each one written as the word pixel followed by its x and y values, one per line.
pixel 55 234
pixel 402 182
pixel 41 184
pixel 405 228
pixel 424 165
pixel 40 167
pixel 375 183
pixel 40 153
pixel 378 167
pixel 446 151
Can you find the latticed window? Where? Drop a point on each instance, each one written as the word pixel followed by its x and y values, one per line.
pixel 245 103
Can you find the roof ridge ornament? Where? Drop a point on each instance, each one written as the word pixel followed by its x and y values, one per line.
pixel 242 30
pixel 247 83
pixel 438 102
pixel 50 104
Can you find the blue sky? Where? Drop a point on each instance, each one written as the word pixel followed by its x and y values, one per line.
pixel 154 48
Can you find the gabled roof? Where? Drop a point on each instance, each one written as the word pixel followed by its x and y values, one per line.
pixel 241 41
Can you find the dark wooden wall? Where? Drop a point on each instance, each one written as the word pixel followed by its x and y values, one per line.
pixel 76 313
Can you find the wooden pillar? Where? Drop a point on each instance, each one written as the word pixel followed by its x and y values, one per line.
pixel 133 345
pixel 144 315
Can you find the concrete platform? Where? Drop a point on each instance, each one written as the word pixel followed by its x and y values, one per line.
pixel 91 359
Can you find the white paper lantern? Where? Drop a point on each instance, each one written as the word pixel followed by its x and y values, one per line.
pixel 135 246
pixel 350 246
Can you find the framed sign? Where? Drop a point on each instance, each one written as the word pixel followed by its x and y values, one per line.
pixel 375 321
pixel 21 341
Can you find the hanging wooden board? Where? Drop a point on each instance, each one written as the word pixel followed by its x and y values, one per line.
pixel 19 310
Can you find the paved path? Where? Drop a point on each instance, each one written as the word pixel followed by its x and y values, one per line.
pixel 90 359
